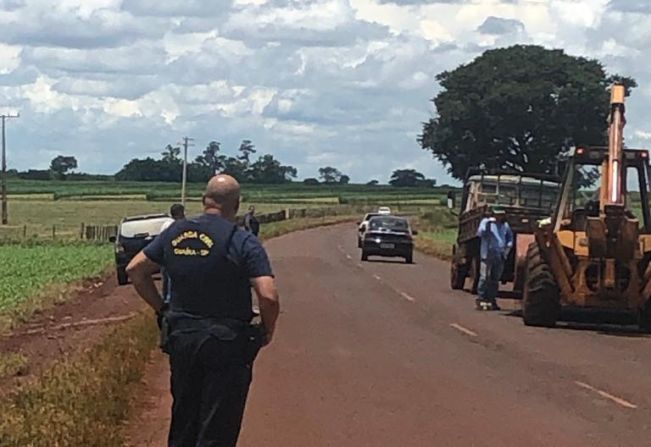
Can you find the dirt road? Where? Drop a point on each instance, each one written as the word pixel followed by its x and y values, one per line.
pixel 384 354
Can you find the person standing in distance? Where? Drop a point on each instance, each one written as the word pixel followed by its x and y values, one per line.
pixel 207 329
pixel 177 212
pixel 251 223
pixel 496 243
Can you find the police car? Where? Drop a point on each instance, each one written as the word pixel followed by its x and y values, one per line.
pixel 134 234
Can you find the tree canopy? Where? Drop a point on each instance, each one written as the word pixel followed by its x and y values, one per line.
pixel 518 108
pixel 61 164
pixel 330 175
pixel 266 169
pixel 410 177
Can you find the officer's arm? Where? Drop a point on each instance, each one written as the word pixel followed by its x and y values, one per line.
pixel 265 289
pixel 140 270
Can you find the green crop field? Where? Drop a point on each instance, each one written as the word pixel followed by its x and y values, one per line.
pixel 27 270
pixel 254 193
pixel 59 208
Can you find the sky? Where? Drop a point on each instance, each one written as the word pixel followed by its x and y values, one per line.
pixel 345 83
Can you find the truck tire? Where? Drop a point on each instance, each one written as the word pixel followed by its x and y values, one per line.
pixel 541 296
pixel 123 279
pixel 644 317
pixel 457 275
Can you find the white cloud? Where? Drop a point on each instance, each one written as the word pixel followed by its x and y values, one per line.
pixel 314 81
pixel 9 58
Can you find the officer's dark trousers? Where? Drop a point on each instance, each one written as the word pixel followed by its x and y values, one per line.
pixel 210 383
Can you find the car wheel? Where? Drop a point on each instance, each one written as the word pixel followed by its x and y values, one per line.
pixel 409 259
pixel 122 276
pixel 364 256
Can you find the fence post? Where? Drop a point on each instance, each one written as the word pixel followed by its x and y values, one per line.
pixel 54 231
pixel 81 231
pixel 25 231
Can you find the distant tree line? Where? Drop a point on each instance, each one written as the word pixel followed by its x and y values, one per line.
pixel 399 178
pixel 168 168
pixel 264 170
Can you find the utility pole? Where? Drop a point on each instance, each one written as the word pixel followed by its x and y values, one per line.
pixel 186 143
pixel 5 218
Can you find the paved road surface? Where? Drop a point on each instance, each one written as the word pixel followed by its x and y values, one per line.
pixel 384 354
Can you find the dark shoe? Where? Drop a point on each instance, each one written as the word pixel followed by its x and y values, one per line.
pixel 494 306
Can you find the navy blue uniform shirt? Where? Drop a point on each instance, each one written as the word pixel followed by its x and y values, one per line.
pixel 210 263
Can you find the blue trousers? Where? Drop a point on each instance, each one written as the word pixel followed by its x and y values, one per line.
pixel 490 273
pixel 210 383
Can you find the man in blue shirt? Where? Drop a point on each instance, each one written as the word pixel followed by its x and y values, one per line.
pixel 206 328
pixel 496 243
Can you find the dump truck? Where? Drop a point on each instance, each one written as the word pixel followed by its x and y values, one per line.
pixel 594 251
pixel 526 198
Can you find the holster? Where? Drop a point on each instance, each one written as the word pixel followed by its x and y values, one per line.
pixel 255 337
pixel 164 326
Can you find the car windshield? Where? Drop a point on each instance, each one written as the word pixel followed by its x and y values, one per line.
pixel 143 227
pixel 370 216
pixel 389 224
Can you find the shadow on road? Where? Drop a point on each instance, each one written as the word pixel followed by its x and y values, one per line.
pixel 389 261
pixel 615 324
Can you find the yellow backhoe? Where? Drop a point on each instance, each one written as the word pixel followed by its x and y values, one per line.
pixel 595 250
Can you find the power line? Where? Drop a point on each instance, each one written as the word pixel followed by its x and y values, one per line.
pixel 186 143
pixel 3 188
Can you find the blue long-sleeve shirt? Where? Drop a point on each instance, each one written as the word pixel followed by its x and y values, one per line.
pixel 497 242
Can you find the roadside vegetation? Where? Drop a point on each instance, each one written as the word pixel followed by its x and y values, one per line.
pixel 437 232
pixel 35 276
pixel 80 401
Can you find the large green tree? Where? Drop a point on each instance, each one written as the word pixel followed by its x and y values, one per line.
pixel 268 170
pixel 61 164
pixel 409 177
pixel 519 108
pixel 247 148
pixel 211 158
pixel 330 175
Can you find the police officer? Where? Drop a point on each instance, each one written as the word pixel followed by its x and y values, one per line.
pixel 207 330
pixel 251 222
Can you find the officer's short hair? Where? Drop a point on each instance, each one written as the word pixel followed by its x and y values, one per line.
pixel 177 211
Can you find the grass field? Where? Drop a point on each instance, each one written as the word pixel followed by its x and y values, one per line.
pixel 58 208
pixel 67 216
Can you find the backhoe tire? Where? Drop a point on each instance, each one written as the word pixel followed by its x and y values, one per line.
pixel 644 318
pixel 541 296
